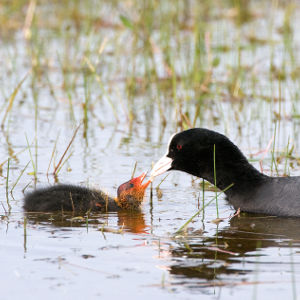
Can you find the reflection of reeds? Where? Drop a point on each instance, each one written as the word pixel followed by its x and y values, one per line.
pixel 293 277
pixel 25 233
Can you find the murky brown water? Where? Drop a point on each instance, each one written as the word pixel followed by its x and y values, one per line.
pixel 137 255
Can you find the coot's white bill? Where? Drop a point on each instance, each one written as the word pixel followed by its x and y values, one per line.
pixel 163 165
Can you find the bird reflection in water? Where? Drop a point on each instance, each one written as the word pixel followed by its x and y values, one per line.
pixel 209 261
pixel 129 221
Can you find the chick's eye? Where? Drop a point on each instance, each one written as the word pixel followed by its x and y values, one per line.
pixel 131 185
pixel 179 147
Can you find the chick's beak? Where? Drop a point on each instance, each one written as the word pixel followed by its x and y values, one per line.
pixel 137 181
pixel 163 165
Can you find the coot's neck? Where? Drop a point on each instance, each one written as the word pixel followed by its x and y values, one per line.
pixel 234 170
pixel 245 178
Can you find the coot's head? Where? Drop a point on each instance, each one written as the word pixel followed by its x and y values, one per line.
pixel 131 193
pixel 192 151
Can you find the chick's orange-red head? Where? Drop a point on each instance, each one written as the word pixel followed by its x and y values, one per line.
pixel 131 193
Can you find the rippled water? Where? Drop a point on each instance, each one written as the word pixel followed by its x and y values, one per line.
pixel 138 254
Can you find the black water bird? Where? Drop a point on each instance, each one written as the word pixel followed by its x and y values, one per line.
pixel 211 155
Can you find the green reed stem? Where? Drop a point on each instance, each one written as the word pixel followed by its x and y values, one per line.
pixel 162 180
pixel 22 172
pixel 52 155
pixel 58 166
pixel 215 181
pixel 63 163
pixel 32 161
pixel 200 210
pixel 273 151
pixel 12 98
pixel 7 176
pixel 286 156
pixel 203 191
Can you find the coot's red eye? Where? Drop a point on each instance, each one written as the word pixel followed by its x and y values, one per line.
pixel 179 147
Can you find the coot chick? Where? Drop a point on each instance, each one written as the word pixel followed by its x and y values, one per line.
pixel 192 151
pixel 81 199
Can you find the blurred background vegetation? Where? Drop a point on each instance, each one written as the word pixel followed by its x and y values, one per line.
pixel 229 65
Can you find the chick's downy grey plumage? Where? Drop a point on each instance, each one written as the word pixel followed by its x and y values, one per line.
pixel 68 198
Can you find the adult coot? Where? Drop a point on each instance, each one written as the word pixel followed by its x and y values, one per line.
pixel 81 199
pixel 193 151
